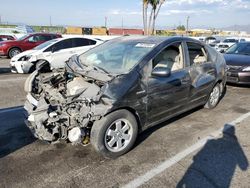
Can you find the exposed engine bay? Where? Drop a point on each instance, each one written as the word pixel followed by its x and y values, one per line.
pixel 63 105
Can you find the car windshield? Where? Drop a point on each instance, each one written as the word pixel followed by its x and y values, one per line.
pixel 45 44
pixel 116 57
pixel 239 48
pixel 23 37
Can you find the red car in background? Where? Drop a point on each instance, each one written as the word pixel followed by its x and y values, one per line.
pixel 27 42
pixel 7 37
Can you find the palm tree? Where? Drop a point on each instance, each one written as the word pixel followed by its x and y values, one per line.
pixel 153 4
pixel 145 15
pixel 149 27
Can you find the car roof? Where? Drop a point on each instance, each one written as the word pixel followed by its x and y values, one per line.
pixel 70 37
pixel 76 37
pixel 153 39
pixel 41 33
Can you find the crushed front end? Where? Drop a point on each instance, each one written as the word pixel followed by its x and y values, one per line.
pixel 63 105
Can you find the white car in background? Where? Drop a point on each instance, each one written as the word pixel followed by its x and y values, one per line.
pixel 228 42
pixel 55 51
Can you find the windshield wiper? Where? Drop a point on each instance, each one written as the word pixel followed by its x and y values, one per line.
pixel 100 68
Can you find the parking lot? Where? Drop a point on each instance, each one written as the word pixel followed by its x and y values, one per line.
pixel 189 150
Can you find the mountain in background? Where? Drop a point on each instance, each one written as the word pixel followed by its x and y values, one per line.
pixel 237 28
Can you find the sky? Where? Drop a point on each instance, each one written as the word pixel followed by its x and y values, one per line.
pixel 203 13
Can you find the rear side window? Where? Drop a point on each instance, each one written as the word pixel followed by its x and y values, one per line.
pixel 53 36
pixel 63 45
pixel 78 42
pixel 197 53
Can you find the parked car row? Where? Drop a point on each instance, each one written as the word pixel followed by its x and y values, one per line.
pixel 222 46
pixel 11 48
pixel 108 92
pixel 58 50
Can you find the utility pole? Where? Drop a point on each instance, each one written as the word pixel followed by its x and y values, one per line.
pixel 50 22
pixel 187 29
pixel 122 26
pixel 0 19
pixel 106 19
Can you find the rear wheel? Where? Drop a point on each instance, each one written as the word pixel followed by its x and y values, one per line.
pixel 13 52
pixel 115 134
pixel 214 97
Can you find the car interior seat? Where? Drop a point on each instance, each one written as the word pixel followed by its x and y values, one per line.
pixel 131 57
pixel 169 58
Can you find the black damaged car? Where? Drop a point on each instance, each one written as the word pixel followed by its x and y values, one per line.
pixel 109 94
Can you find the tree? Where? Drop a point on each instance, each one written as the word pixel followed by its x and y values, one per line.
pixel 149 25
pixel 144 12
pixel 181 28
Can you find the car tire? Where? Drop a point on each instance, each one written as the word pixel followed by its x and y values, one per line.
pixel 13 51
pixel 114 134
pixel 214 97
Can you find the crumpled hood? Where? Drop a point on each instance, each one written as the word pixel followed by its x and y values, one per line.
pixel 237 59
pixel 74 66
pixel 25 53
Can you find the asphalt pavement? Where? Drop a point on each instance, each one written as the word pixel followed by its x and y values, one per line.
pixel 191 150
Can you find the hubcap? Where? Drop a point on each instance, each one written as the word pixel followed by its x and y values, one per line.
pixel 214 96
pixel 14 52
pixel 118 135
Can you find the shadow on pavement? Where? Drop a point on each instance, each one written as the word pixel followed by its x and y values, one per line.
pixel 13 132
pixel 145 134
pixel 239 85
pixel 4 70
pixel 214 165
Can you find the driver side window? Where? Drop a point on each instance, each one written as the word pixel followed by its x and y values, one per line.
pixel 171 57
pixel 33 39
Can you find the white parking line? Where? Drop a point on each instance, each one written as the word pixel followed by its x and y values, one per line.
pixel 11 109
pixel 173 160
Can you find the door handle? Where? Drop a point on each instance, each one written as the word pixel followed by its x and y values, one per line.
pixel 185 80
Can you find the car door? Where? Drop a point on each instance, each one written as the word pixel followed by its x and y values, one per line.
pixel 61 52
pixel 168 96
pixel 82 44
pixel 30 42
pixel 202 72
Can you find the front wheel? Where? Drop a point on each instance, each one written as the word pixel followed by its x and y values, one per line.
pixel 214 97
pixel 13 52
pixel 115 134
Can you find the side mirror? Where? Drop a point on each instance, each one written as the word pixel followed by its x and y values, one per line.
pixel 222 51
pixel 161 72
